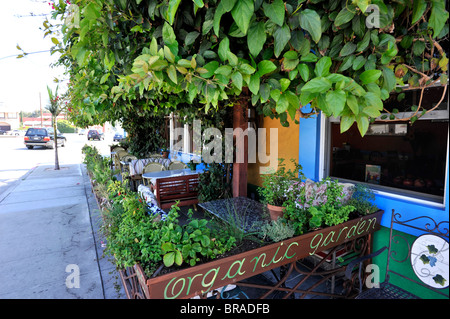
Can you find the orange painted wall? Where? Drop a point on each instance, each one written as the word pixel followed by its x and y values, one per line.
pixel 287 147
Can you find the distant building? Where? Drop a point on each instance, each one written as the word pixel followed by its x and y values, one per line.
pixel 44 121
pixel 9 119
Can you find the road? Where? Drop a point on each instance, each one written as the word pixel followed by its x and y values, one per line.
pixel 16 160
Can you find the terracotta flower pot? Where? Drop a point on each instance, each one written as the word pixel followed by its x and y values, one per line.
pixel 275 211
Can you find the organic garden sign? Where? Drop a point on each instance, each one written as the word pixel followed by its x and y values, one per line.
pixel 206 277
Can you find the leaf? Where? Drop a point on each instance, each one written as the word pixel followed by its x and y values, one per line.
pixel 418 47
pixel 363 124
pixel 224 70
pixel 191 37
pixel 253 86
pixel 344 16
pixel 232 59
pixel 310 21
pixel 284 84
pixel 275 95
pixel 178 258
pixel 153 47
pixel 246 68
pixel 242 14
pixel 323 66
pixel 419 7
pixel 275 11
pixel 371 111
pixel 220 11
pixel 389 80
pixel 169 259
pixel 236 77
pixel 169 55
pixel 336 101
pixel 228 4
pixel 443 62
pixel 266 66
pixel 438 16
pixel 281 37
pixel 369 76
pixel 362 4
pixel 92 11
pixel 358 63
pixel 348 49
pixel 282 104
pixel 172 10
pixel 352 103
pixel 104 78
pixel 256 38
pixel 224 48
pixel 346 63
pixel 199 3
pixel 168 34
pixel 317 85
pixel 211 67
pixel 310 57
pixel 364 43
pixel 346 122
pixel 172 73
pixel 373 100
pixel 304 72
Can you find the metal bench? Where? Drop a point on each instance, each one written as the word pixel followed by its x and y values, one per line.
pixel 426 258
pixel 182 189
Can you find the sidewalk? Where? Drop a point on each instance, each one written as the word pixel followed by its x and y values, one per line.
pixel 49 224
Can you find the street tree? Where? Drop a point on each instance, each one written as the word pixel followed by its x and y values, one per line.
pixel 55 109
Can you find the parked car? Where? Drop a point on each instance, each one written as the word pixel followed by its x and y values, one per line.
pixel 82 132
pixel 42 137
pixel 117 137
pixel 94 135
pixel 2 132
pixel 15 132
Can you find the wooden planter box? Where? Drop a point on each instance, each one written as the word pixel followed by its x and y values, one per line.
pixel 204 278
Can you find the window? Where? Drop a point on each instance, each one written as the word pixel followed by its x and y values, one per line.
pixel 395 157
pixel 2 115
pixel 12 115
pixel 181 136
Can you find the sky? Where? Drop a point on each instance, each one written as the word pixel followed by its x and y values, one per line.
pixel 21 80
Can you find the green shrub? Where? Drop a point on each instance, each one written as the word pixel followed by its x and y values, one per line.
pixel 65 126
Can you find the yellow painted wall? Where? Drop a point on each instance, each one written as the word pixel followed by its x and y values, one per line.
pixel 287 147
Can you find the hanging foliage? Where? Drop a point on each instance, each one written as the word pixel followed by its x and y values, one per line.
pixel 342 58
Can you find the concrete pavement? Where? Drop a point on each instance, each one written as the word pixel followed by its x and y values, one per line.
pixel 50 246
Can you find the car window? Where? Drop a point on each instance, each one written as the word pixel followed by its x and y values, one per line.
pixel 36 131
pixel 50 130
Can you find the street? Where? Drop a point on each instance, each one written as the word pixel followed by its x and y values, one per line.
pixel 16 160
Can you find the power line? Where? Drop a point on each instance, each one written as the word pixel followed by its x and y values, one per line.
pixel 24 54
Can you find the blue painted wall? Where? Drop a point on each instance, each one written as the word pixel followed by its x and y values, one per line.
pixel 309 154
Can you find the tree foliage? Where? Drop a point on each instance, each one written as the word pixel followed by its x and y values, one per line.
pixel 343 57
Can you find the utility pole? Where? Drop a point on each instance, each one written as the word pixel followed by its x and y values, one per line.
pixel 40 106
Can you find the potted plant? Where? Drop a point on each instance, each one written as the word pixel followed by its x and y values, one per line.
pixel 165 152
pixel 277 185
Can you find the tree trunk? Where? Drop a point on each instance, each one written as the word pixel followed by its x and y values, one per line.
pixel 55 139
pixel 240 120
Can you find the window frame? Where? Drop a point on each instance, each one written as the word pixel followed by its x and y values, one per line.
pixel 386 191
